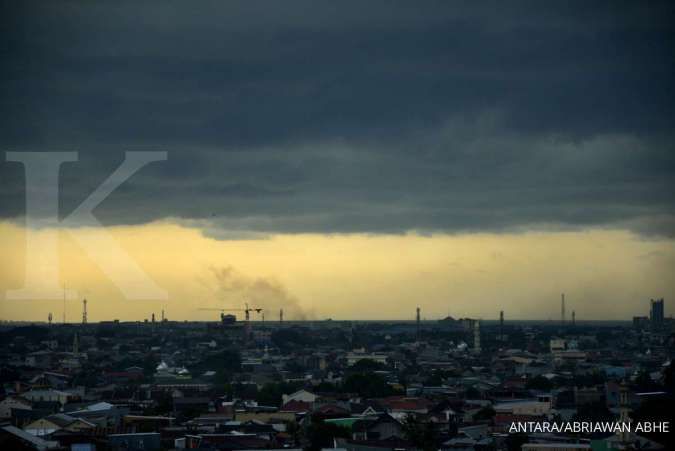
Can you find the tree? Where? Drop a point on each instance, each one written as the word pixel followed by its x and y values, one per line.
pixel 271 393
pixel 644 382
pixel 321 434
pixel 434 380
pixel 486 413
pixel 245 391
pixel 472 393
pixel 589 380
pixel 293 429
pixel 8 374
pixel 421 435
pixel 288 339
pixel 149 365
pixel 224 363
pixel 367 365
pixel 33 334
pixel 368 385
pixel 539 383
pixel 295 367
pixel 163 405
pixel 325 387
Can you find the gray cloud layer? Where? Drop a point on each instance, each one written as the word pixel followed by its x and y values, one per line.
pixel 377 117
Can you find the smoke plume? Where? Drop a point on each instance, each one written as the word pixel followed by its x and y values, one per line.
pixel 234 289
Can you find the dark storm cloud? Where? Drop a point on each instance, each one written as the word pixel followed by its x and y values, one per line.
pixel 369 117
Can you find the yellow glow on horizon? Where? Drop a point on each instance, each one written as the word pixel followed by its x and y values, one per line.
pixel 606 274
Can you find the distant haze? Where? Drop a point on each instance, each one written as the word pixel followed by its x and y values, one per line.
pixel 605 274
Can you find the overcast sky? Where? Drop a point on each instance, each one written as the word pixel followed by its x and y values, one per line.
pixel 370 118
pixel 367 117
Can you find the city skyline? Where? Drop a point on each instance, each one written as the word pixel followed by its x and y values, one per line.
pixel 461 276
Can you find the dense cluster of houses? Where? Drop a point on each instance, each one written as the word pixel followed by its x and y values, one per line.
pixel 450 385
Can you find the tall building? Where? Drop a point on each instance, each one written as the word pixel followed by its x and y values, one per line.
pixel 417 332
pixel 656 313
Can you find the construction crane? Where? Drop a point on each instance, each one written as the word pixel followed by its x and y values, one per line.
pixel 247 314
